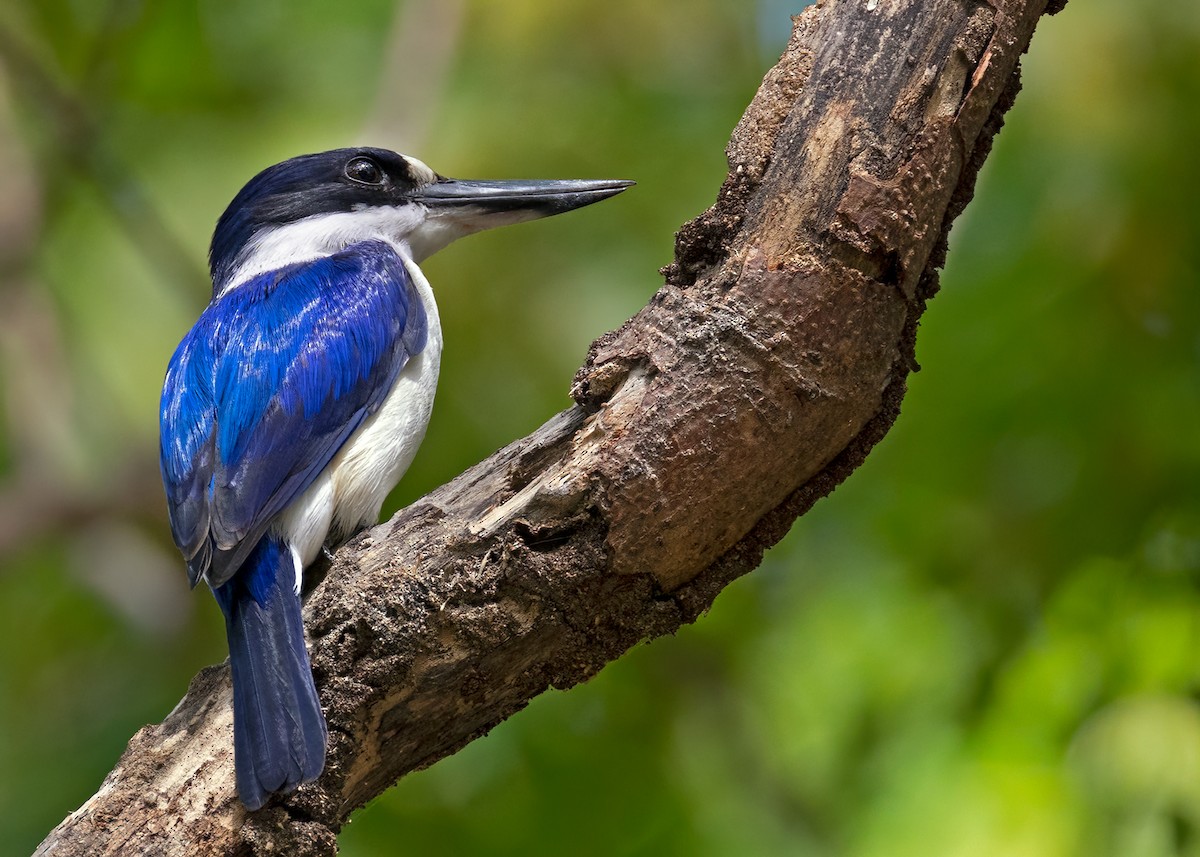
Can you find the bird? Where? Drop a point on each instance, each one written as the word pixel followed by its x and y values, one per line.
pixel 298 399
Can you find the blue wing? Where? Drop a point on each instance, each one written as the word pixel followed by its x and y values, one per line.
pixel 267 387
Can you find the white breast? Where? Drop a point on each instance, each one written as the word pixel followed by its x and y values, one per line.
pixel 378 454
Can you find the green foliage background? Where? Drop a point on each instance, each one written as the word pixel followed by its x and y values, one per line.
pixel 986 643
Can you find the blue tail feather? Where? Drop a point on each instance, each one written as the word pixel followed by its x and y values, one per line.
pixel 278 729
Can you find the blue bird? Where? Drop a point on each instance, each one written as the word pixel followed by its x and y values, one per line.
pixel 299 398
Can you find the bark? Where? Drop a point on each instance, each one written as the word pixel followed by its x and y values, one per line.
pixel 754 382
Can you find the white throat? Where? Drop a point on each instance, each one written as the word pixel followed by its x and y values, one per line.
pixel 325 234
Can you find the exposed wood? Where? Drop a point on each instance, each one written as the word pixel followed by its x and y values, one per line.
pixel 756 380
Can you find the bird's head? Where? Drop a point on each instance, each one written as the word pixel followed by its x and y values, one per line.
pixel 317 204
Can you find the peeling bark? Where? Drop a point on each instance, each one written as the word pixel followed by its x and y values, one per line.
pixel 752 384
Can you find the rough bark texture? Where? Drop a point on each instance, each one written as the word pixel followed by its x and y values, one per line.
pixel 757 378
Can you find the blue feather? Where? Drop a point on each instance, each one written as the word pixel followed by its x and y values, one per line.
pixel 278 729
pixel 274 378
pixel 187 455
pixel 261 394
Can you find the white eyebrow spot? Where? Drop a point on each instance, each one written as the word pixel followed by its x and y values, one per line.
pixel 420 171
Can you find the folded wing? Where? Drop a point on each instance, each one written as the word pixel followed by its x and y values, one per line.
pixel 274 378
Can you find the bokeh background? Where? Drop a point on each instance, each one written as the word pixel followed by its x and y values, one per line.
pixel 986 643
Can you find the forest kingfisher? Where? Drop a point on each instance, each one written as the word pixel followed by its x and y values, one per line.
pixel 299 398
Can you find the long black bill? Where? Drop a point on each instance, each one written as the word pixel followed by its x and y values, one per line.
pixel 524 199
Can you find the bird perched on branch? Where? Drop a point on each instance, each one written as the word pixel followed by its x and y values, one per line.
pixel 299 398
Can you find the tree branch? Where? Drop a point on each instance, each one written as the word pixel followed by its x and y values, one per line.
pixel 752 384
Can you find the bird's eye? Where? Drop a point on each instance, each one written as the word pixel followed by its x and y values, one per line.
pixel 365 171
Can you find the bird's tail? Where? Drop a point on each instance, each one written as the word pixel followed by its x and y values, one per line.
pixel 278 729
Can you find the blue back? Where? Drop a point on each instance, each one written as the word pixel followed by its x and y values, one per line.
pixel 272 380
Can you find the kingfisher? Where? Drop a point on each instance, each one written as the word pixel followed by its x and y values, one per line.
pixel 299 398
